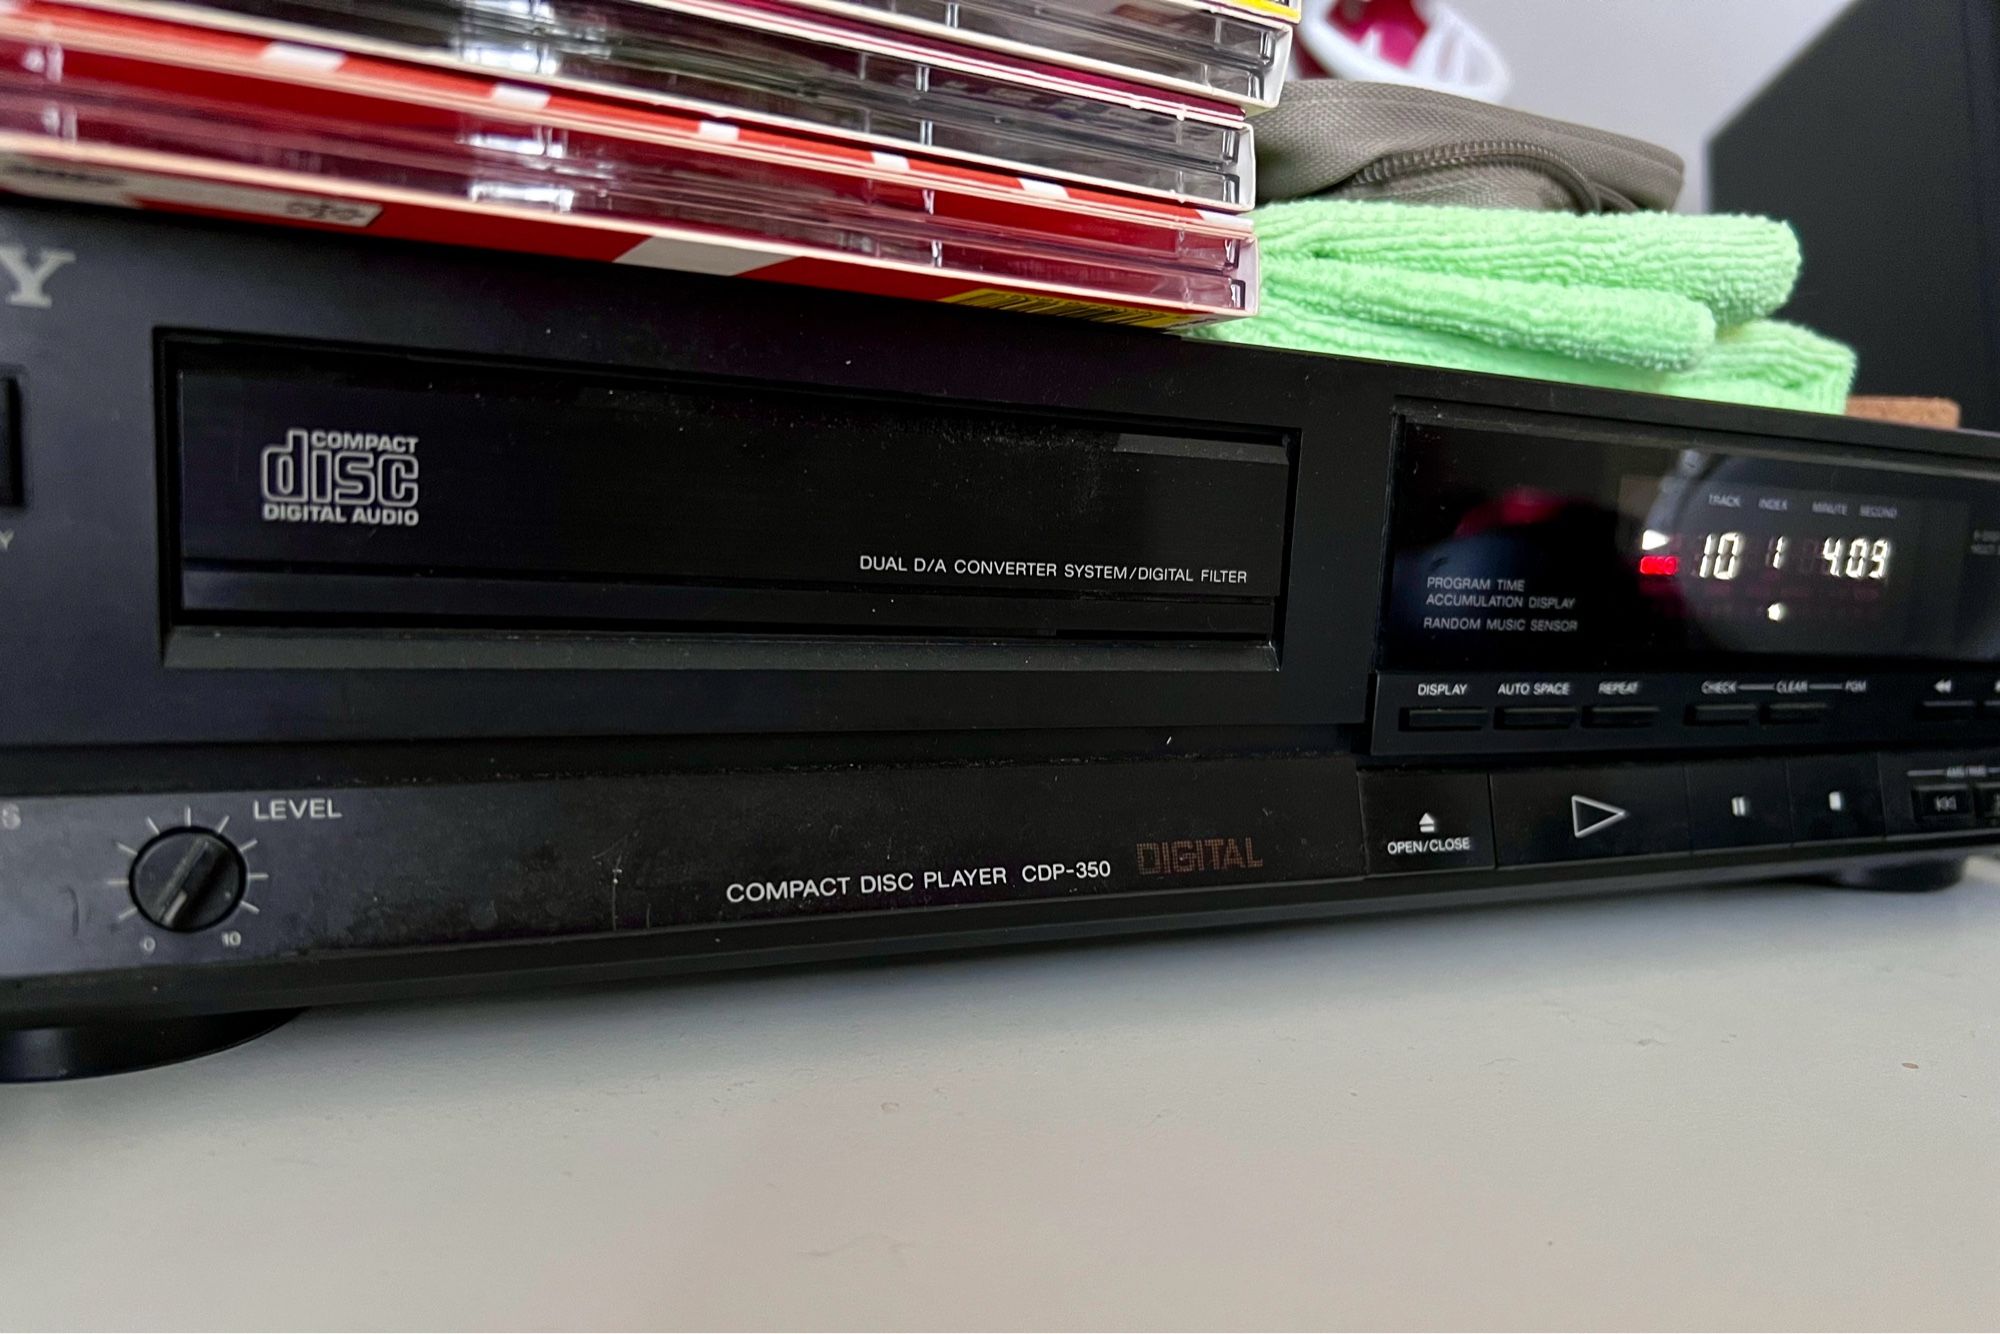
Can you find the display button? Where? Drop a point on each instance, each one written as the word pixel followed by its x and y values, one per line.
pixel 1537 717
pixel 1797 711
pixel 1443 720
pixel 1568 814
pixel 1945 710
pixel 1742 804
pixel 1722 715
pixel 1834 797
pixel 1426 822
pixel 1622 715
pixel 1986 802
pixel 1942 805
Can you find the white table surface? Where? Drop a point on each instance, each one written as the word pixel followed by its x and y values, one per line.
pixel 1748 1108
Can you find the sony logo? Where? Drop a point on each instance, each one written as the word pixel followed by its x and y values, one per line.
pixel 30 277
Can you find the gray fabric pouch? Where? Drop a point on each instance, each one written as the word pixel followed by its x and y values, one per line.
pixel 1387 141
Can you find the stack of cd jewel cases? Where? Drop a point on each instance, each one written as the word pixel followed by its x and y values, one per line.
pixel 1082 157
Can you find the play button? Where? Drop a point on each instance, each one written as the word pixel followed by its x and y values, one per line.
pixel 1562 815
pixel 1588 816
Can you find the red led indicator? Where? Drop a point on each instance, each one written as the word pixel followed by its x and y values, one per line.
pixel 1657 564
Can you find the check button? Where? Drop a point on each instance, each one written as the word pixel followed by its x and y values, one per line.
pixel 1559 815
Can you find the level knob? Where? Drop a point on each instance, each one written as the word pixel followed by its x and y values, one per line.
pixel 187 879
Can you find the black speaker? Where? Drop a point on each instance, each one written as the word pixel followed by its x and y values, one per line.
pixel 1881 144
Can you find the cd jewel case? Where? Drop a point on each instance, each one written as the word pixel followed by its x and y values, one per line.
pixel 1188 45
pixel 485 162
pixel 792 68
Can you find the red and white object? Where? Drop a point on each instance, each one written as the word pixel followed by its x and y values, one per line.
pixel 234 126
pixel 1425 43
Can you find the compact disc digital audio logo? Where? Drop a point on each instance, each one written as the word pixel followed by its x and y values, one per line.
pixel 346 477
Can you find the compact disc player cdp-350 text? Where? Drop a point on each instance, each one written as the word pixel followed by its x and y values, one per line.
pixel 385 620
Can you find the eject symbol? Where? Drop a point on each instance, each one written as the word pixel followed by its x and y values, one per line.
pixel 1587 817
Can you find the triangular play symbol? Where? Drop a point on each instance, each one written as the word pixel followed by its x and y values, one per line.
pixel 1586 816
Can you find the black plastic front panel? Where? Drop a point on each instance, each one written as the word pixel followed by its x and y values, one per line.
pixel 421 803
pixel 317 483
pixel 380 888
pixel 346 869
pixel 97 655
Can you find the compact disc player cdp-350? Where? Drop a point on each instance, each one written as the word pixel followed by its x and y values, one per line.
pixel 385 620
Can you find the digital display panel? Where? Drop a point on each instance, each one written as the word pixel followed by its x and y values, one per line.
pixel 1766 567
pixel 1511 549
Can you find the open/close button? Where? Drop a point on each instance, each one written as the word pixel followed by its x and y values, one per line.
pixel 1559 815
pixel 1426 822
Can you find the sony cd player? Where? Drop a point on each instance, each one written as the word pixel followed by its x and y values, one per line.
pixel 386 620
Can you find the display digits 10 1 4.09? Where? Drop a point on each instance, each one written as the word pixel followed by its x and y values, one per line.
pixel 1723 556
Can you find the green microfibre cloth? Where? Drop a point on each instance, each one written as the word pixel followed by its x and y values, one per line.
pixel 1648 330
pixel 1773 364
pixel 1766 363
pixel 1659 303
pixel 1738 268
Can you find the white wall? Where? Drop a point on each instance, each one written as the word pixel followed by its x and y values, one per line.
pixel 1672 71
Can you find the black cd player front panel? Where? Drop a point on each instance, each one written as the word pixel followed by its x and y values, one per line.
pixel 387 619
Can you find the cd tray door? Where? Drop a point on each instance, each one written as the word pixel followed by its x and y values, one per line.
pixel 320 486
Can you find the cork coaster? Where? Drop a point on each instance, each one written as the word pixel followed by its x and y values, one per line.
pixel 1942 413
